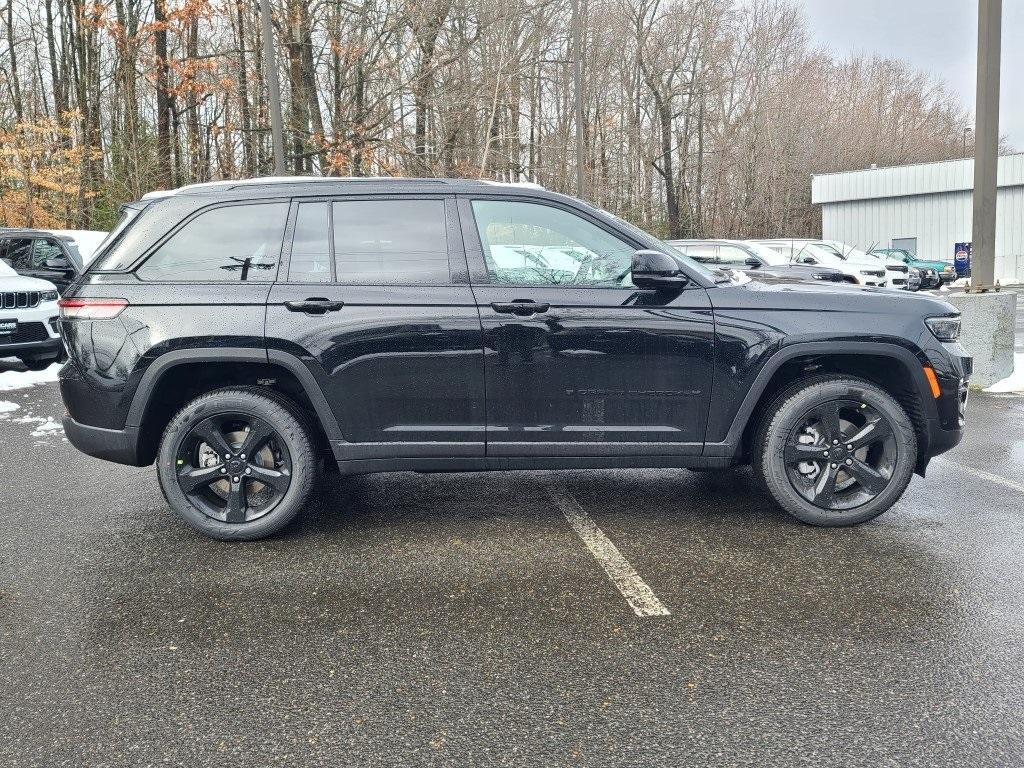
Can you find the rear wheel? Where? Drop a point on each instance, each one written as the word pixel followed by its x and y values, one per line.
pixel 835 451
pixel 237 463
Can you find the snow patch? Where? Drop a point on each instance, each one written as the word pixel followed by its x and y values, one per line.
pixel 10 380
pixel 1015 381
pixel 48 427
pixel 6 407
pixel 30 419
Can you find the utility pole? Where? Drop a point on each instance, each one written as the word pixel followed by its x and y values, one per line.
pixel 577 77
pixel 273 89
pixel 986 145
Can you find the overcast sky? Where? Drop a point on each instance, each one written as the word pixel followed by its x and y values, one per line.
pixel 940 36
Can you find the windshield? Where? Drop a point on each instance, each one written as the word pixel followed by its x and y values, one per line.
pixel 650 241
pixel 847 252
pixel 826 256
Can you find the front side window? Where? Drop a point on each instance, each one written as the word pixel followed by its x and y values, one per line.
pixel 390 242
pixel 534 244
pixel 44 250
pixel 227 244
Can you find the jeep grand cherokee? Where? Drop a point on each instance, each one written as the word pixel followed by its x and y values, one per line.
pixel 240 334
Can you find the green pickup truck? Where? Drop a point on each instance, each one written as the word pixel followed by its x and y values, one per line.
pixel 933 273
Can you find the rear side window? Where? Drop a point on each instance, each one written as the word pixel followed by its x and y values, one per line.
pixel 704 253
pixel 390 241
pixel 227 244
pixel 311 244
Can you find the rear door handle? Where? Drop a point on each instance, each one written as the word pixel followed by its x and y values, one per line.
pixel 315 305
pixel 520 307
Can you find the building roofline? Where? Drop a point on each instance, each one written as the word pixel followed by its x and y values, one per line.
pixel 908 165
pixel 946 177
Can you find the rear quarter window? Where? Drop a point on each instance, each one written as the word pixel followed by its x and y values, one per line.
pixel 229 243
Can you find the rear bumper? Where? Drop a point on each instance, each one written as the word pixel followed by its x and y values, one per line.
pixel 117 445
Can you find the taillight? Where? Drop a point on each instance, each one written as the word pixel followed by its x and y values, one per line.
pixel 91 309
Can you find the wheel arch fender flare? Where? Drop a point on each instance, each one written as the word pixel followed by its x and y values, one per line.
pixel 903 356
pixel 291 363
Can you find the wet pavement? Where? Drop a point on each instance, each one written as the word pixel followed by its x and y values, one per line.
pixel 461 620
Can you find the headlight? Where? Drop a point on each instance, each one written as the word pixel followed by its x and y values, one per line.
pixel 49 296
pixel 944 328
pixel 869 273
pixel 821 276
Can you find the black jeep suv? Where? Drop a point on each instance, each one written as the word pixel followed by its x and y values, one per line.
pixel 239 334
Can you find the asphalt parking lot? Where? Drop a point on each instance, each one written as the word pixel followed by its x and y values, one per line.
pixel 577 618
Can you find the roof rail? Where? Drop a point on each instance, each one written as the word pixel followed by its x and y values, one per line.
pixel 272 180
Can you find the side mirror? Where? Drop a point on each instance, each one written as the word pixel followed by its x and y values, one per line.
pixel 808 260
pixel 656 270
pixel 751 262
pixel 58 262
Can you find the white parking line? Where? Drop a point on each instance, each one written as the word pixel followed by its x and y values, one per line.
pixel 982 474
pixel 640 597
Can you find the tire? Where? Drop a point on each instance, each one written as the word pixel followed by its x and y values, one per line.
pixel 788 432
pixel 291 444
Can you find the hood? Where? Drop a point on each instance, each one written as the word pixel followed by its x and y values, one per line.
pixel 938 266
pixel 22 283
pixel 824 295
pixel 854 263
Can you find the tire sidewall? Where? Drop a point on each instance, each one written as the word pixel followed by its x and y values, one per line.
pixel 787 417
pixel 289 428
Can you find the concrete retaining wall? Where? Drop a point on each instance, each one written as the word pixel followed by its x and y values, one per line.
pixel 989 321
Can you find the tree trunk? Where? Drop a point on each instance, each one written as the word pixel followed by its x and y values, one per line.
pixel 163 101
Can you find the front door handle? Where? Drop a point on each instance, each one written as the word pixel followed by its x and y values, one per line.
pixel 520 307
pixel 315 305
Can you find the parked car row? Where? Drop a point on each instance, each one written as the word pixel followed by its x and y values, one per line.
pixel 822 260
pixel 36 266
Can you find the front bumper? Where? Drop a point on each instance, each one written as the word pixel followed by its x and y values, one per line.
pixel 35 348
pixel 953 369
pixel 37 333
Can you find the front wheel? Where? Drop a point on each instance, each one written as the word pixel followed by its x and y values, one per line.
pixel 237 463
pixel 835 451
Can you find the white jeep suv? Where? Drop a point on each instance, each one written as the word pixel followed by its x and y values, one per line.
pixel 28 320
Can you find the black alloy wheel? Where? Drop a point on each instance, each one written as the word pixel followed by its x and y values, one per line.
pixel 238 463
pixel 233 467
pixel 834 450
pixel 841 454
